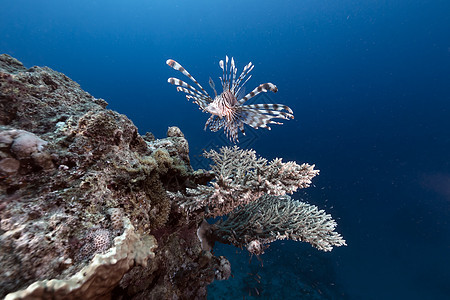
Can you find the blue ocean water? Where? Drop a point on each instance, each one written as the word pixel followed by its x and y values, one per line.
pixel 369 83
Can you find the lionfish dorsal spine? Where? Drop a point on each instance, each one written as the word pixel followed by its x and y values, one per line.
pixel 234 78
pixel 247 69
pixel 230 77
pixel 226 64
pixel 222 79
pixel 242 85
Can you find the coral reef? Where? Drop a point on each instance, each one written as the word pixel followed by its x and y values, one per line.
pixel 90 209
pixel 83 198
pixel 103 273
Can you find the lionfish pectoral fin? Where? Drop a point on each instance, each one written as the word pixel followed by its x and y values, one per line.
pixel 262 88
pixel 258 116
pixel 213 86
pixel 215 123
pixel 173 64
pixel 277 110
pixel 241 127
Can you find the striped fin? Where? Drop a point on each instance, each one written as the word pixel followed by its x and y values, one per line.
pixel 187 91
pixel 230 77
pixel 201 100
pixel 215 123
pixel 247 69
pixel 233 84
pixel 176 81
pixel 241 127
pixel 202 105
pixel 173 64
pixel 274 114
pixel 261 88
pixel 242 85
pixel 226 73
pixel 222 79
pixel 230 127
pixel 256 119
pixel 226 65
pixel 213 86
pixel 273 109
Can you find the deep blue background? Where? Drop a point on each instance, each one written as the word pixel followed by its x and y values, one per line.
pixel 369 83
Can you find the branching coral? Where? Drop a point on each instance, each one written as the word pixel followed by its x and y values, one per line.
pixel 273 218
pixel 253 192
pixel 241 177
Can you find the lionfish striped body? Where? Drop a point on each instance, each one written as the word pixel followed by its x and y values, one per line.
pixel 227 109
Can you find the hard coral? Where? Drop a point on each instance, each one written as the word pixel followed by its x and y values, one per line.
pixel 241 177
pixel 116 216
pixel 252 191
pixel 101 163
pixel 24 146
pixel 272 218
pixel 103 273
pixel 97 241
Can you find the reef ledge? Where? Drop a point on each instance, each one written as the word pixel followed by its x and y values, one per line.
pixel 84 211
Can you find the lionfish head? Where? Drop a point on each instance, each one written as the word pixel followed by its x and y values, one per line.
pixel 213 108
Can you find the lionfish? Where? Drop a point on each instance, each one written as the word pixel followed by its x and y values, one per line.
pixel 227 109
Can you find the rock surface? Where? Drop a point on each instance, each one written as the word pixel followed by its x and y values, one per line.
pixel 79 187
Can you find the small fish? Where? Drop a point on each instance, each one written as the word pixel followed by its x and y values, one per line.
pixel 227 109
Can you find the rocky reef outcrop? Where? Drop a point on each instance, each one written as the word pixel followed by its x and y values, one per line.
pixel 84 211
